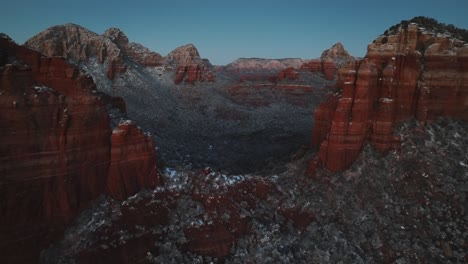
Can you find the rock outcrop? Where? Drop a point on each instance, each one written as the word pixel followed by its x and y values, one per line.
pixel 289 73
pixel 414 73
pixel 132 163
pixel 192 73
pixel 331 60
pixel 55 145
pixel 78 44
pixel 190 67
pixel 184 55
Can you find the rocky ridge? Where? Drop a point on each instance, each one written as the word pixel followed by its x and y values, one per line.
pixel 414 73
pixel 78 44
pixel 113 49
pixel 258 69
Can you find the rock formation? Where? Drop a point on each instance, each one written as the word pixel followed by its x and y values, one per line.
pixel 190 67
pixel 289 73
pixel 184 55
pixel 132 163
pixel 192 73
pixel 414 73
pixel 56 150
pixel 331 60
pixel 76 43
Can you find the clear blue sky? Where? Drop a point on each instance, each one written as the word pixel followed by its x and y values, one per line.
pixel 226 30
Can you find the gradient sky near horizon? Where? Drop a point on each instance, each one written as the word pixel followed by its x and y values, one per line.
pixel 226 30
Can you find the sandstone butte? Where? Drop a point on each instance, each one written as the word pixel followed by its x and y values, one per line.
pixel 330 61
pixel 190 67
pixel 411 74
pixel 58 152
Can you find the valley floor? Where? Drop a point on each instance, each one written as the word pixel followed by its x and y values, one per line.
pixel 406 206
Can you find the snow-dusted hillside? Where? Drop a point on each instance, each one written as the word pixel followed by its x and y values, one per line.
pixel 404 207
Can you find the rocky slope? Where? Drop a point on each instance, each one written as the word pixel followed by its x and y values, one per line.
pixel 371 213
pixel 57 154
pixel 413 73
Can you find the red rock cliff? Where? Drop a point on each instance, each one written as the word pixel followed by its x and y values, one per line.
pixel 411 74
pixel 55 150
pixel 132 163
pixel 193 73
pixel 79 44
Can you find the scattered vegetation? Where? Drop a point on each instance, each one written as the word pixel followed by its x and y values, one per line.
pixel 430 24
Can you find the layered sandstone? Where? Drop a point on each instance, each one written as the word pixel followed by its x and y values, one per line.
pixel 132 162
pixel 330 61
pixel 192 73
pixel 289 74
pixel 190 67
pixel 78 44
pixel 411 74
pixel 55 145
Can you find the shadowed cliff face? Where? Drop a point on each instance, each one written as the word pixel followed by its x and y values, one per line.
pixel 412 74
pixel 57 150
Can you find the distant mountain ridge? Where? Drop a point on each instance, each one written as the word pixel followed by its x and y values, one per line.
pixel 112 49
pixel 117 54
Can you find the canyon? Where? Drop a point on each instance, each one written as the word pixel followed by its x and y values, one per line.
pixel 113 153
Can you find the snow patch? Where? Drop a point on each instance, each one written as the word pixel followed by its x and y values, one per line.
pixel 125 122
pixel 386 100
pixel 171 172
pixel 117 131
pixel 43 89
